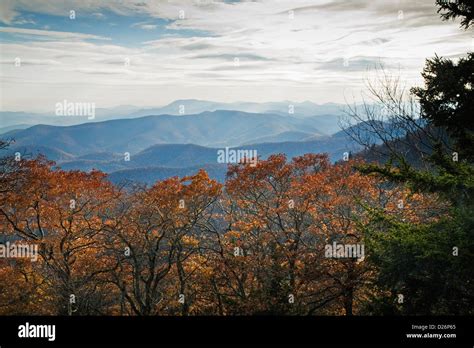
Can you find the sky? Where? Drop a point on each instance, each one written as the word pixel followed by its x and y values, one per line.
pixel 150 53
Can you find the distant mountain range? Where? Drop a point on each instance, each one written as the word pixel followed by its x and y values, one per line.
pixel 193 106
pixel 164 160
pixel 214 129
pixel 166 145
pixel 150 175
pixel 19 120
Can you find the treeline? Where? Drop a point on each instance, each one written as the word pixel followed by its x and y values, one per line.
pixel 191 246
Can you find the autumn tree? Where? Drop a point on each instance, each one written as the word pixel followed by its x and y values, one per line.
pixel 154 236
pixel 280 216
pixel 62 213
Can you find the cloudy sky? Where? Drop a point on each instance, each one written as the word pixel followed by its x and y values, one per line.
pixel 149 53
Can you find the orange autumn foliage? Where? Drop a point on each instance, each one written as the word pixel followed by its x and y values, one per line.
pixel 192 246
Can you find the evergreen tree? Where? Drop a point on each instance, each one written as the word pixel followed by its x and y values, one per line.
pixel 427 268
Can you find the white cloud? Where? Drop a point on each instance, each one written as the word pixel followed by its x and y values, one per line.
pixel 7 11
pixel 51 34
pixel 145 26
pixel 98 15
pixel 22 21
pixel 299 55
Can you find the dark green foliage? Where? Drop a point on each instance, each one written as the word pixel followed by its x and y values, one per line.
pixel 419 262
pixel 431 264
pixel 451 9
pixel 447 100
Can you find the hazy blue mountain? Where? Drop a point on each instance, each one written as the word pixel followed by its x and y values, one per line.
pixel 189 155
pixel 157 162
pixel 327 123
pixel 32 151
pixel 150 175
pixel 116 112
pixel 8 119
pixel 163 155
pixel 14 127
pixel 101 156
pixel 174 155
pixel 88 165
pixel 28 119
pixel 333 146
pixel 193 106
pixel 184 155
pixel 284 136
pixel 164 146
pixel 303 109
pixel 11 119
pixel 160 163
pixel 214 129
pixel 160 156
